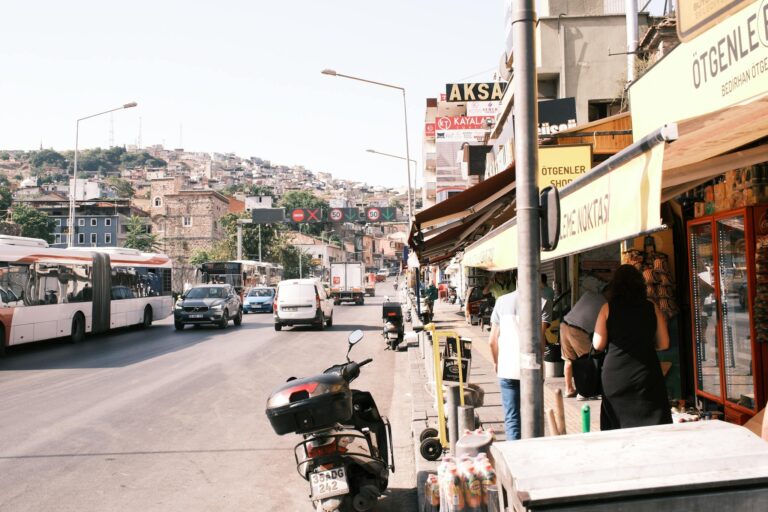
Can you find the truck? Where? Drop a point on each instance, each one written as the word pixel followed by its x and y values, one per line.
pixel 370 284
pixel 348 282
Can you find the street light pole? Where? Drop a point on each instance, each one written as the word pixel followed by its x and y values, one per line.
pixel 73 188
pixel 415 165
pixel 331 72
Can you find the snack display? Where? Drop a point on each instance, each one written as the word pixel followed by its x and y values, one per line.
pixel 760 305
pixel 659 285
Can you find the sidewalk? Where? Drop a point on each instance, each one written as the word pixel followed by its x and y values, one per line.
pixel 491 414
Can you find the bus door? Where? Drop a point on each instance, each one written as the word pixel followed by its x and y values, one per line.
pixel 102 293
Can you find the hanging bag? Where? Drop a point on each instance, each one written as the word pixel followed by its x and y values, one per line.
pixel 586 373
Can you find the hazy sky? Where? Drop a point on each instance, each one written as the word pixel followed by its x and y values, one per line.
pixel 241 76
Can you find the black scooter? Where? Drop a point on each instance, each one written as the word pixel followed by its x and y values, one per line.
pixel 394 329
pixel 346 455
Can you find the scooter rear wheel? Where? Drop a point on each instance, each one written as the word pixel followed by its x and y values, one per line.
pixel 427 433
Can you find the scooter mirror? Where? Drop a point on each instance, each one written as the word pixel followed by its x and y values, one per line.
pixel 355 336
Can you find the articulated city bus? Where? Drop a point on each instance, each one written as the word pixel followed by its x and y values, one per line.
pixel 241 274
pixel 49 293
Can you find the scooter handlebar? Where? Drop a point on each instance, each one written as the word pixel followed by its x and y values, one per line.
pixel 352 370
pixel 363 363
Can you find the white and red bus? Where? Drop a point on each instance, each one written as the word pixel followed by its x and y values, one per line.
pixel 50 293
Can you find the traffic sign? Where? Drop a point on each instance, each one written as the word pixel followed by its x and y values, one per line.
pixel 336 215
pixel 389 213
pixel 298 215
pixel 373 214
pixel 267 215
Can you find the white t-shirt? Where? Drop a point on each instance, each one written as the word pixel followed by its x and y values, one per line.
pixel 506 316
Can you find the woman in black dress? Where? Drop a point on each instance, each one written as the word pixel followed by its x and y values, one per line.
pixel 631 328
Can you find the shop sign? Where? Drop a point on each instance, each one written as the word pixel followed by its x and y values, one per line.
pixel 489 91
pixel 560 165
pixel 721 67
pixel 460 135
pixel 556 115
pixel 429 131
pixel 463 122
pixel 616 206
pixel 693 18
pixel 483 108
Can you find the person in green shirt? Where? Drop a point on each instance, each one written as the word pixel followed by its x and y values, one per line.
pixel 499 284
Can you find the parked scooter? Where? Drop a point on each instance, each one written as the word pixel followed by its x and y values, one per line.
pixel 452 295
pixel 394 330
pixel 346 455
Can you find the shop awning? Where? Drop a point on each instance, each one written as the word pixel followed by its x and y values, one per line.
pixel 464 218
pixel 617 200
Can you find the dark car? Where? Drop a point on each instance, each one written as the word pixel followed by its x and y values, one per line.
pixel 208 304
pixel 259 300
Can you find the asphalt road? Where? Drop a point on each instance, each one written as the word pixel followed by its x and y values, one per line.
pixel 144 420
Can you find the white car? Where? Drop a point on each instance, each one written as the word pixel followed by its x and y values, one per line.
pixel 302 302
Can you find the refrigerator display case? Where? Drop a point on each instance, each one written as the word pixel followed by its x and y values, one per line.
pixel 729 309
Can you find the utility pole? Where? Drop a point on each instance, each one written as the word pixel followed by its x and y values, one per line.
pixel 526 163
pixel 259 243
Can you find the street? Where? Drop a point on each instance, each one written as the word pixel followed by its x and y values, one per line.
pixel 163 420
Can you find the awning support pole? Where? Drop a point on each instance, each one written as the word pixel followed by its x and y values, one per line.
pixel 526 163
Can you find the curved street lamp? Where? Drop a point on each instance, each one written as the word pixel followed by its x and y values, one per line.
pixel 73 188
pixel 332 72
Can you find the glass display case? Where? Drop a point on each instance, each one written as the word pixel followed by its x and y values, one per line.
pixel 728 357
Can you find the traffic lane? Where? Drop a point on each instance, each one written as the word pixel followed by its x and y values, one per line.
pixel 136 422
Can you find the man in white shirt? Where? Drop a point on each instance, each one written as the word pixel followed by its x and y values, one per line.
pixel 505 349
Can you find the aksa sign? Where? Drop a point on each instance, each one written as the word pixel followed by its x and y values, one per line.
pixel 491 91
pixel 560 165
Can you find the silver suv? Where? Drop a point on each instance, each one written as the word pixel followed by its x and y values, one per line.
pixel 208 304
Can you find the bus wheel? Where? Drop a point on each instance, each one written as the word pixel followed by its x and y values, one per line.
pixel 78 328
pixel 147 317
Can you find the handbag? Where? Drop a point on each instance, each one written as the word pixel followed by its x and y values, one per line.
pixel 587 371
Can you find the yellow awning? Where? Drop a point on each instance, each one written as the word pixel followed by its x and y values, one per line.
pixel 617 200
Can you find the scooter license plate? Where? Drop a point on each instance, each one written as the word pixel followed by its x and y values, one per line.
pixel 326 484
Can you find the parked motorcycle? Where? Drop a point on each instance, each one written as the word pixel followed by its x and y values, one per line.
pixel 394 330
pixel 346 455
pixel 452 295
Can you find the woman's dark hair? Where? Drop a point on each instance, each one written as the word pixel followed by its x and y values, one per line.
pixel 627 285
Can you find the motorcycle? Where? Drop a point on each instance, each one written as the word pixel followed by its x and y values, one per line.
pixel 452 295
pixel 394 330
pixel 346 455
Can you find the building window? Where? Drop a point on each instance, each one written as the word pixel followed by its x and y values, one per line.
pixel 94 222
pixel 158 201
pixel 107 222
pixel 58 238
pixel 94 239
pixel 108 238
pixel 81 238
pixel 186 221
pixel 58 222
pixel 81 222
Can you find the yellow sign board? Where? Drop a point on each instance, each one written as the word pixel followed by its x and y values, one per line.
pixel 696 16
pixel 724 66
pixel 560 165
pixel 618 205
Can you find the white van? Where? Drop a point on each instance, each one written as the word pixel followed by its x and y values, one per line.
pixel 302 302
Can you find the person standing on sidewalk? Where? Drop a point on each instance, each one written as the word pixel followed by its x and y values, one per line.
pixel 576 333
pixel 505 349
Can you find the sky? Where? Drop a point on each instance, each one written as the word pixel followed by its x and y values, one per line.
pixel 242 76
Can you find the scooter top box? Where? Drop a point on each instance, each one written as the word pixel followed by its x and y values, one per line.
pixel 314 403
pixel 391 310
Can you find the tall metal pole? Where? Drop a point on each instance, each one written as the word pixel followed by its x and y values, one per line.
pixel 407 161
pixel 526 163
pixel 73 192
pixel 630 7
pixel 259 243
pixel 239 241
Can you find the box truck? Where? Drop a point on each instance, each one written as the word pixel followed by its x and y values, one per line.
pixel 348 282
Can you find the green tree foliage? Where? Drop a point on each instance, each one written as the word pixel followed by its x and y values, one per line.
pixel 200 256
pixel 6 200
pixel 132 160
pixel 47 158
pixel 138 236
pixel 123 188
pixel 4 155
pixel 34 224
pixel 303 199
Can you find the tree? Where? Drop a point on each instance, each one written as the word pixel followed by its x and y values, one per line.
pixel 123 188
pixel 5 200
pixel 139 237
pixel 200 256
pixel 47 158
pixel 34 224
pixel 4 155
